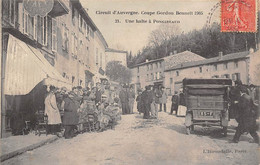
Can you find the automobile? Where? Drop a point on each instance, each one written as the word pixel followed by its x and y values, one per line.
pixel 207 102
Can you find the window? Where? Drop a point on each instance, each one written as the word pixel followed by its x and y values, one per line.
pixel 87 54
pixel 236 76
pixel 236 64
pixel 97 56
pixel 147 67
pixel 74 44
pixel 138 79
pixel 54 35
pixel 160 75
pixel 225 66
pixel 101 60
pixel 87 31
pixel 12 12
pixel 156 65
pixel 65 37
pixel 152 76
pixel 74 13
pixel 80 23
pixel 160 64
pixel 200 69
pixel 177 73
pixel 151 66
pixel 157 75
pixel 171 80
pixel 72 79
pixel 138 69
pixel 215 67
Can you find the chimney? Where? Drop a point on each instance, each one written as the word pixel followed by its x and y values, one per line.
pixel 175 52
pixel 220 55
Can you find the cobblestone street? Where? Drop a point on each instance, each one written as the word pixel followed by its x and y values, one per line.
pixel 139 141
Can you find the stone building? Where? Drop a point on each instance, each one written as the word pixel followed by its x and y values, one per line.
pixel 116 55
pixel 236 66
pixel 153 72
pixel 62 47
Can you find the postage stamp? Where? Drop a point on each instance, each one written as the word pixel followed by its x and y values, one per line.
pixel 238 16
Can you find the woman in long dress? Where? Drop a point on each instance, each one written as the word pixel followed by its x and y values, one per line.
pixel 52 111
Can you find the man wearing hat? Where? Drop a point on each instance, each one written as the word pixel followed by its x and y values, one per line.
pixel 246 117
pixel 123 96
pixel 146 100
pixel 163 99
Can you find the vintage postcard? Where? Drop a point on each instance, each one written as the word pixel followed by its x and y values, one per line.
pixel 130 82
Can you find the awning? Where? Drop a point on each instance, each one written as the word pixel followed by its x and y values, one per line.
pixel 26 67
pixel 59 8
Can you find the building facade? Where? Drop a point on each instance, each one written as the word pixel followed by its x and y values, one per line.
pixel 62 48
pixel 153 72
pixel 235 66
pixel 116 55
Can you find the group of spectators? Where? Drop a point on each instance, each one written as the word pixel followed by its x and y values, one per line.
pixel 149 100
pixel 69 108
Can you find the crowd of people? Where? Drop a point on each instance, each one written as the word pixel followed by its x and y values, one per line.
pixel 149 100
pixel 70 109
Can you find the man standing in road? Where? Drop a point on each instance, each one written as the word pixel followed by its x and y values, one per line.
pixel 123 96
pixel 246 117
pixel 163 99
pixel 146 100
pixel 131 95
pixel 175 101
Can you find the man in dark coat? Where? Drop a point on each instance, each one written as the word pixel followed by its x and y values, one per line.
pixel 70 118
pixel 139 102
pixel 175 103
pixel 98 94
pixel 147 100
pixel 246 117
pixel 123 96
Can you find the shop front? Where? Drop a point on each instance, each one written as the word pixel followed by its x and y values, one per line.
pixel 27 75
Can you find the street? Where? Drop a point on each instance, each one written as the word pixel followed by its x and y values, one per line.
pixel 139 141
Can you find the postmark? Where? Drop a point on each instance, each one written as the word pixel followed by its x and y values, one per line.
pixel 238 16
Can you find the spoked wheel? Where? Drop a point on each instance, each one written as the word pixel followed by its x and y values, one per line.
pixel 188 130
pixel 192 128
pixel 225 131
pixel 97 126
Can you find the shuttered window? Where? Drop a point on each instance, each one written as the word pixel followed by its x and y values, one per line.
pixel 54 35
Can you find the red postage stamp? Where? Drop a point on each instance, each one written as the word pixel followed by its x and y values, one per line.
pixel 238 16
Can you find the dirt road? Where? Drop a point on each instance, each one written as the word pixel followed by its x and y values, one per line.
pixel 139 141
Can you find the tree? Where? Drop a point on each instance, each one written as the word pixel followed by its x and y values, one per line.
pixel 161 35
pixel 117 72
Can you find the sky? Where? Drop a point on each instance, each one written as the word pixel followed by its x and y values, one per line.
pixel 134 36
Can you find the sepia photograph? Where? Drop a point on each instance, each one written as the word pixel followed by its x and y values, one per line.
pixel 130 82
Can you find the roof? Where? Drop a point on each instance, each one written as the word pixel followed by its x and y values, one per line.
pixel 114 50
pixel 144 63
pixel 227 57
pixel 102 38
pixel 179 58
